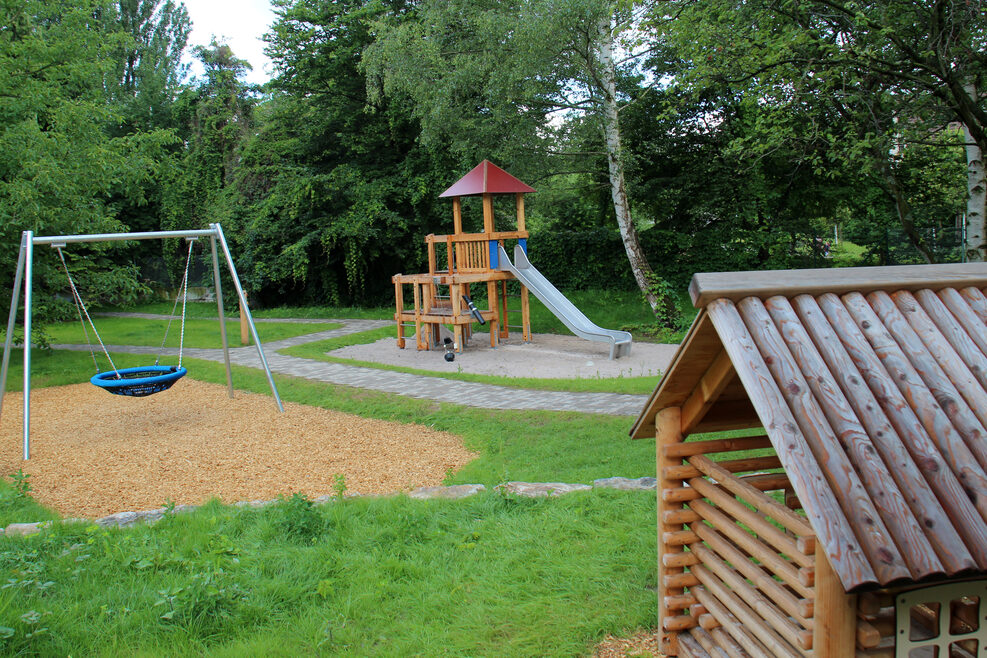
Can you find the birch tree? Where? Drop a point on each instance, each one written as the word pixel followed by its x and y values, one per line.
pixel 498 78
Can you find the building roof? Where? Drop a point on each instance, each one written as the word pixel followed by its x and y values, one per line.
pixel 486 178
pixel 871 384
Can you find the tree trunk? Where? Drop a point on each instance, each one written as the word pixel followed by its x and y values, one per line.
pixel 976 200
pixel 643 274
pixel 892 187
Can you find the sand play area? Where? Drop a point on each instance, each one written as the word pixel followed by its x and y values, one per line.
pixel 545 356
pixel 93 453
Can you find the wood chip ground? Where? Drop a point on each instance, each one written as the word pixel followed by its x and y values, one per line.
pixel 93 453
pixel 643 644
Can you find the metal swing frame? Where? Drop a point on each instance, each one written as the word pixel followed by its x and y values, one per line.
pixel 24 274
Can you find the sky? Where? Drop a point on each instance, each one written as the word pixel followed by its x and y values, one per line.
pixel 241 23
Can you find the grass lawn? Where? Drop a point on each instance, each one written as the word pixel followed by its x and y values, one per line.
pixel 490 575
pixel 199 332
pixel 612 309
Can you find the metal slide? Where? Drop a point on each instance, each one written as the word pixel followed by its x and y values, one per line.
pixel 557 303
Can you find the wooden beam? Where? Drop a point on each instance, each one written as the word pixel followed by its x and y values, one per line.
pixel 764 504
pixel 712 383
pixel 457 215
pixel 836 613
pixel 716 446
pixel 668 423
pixel 734 286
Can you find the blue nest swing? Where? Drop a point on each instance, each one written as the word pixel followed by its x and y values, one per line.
pixel 139 381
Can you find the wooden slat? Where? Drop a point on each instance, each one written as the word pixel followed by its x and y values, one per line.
pixel 677 623
pixel 893 509
pixel 820 503
pixel 730 466
pixel 680 580
pixel 862 378
pixel 934 421
pixel 947 377
pixel 765 482
pixel 770 638
pixel 868 636
pixel 782 542
pixel 680 538
pixel 765 609
pixel 745 565
pixel 690 648
pixel 708 644
pixel 977 301
pixel 961 312
pixel 765 504
pixel 712 383
pixel 753 546
pixel 710 446
pixel 882 365
pixel 677 516
pixel 872 536
pixel 729 644
pixel 707 287
pixel 967 347
pixel 928 374
pixel 836 618
pixel 730 625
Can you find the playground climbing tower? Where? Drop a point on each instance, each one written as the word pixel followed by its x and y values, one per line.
pixel 460 261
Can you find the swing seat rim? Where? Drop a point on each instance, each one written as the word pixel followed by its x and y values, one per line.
pixel 109 381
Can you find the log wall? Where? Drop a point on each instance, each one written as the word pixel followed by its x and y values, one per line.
pixel 736 564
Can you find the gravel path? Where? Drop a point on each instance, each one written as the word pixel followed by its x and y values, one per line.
pixel 410 385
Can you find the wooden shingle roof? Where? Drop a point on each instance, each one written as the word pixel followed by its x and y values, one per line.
pixel 871 384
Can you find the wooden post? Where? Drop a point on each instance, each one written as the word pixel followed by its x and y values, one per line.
pixel 668 425
pixel 504 330
pixel 457 215
pixel 399 309
pixel 520 211
pixel 525 316
pixel 244 325
pixel 456 297
pixel 488 213
pixel 495 321
pixel 834 632
pixel 418 314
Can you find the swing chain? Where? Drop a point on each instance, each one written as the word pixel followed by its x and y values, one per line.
pixel 80 308
pixel 183 292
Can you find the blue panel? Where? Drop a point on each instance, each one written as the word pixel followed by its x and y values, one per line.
pixel 524 245
pixel 493 255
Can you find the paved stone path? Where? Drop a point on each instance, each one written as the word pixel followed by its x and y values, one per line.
pixel 471 394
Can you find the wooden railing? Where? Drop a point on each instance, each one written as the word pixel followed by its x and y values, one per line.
pixel 466 252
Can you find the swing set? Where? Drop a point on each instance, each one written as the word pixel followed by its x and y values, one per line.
pixel 139 381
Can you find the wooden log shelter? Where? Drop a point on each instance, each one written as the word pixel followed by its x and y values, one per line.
pixel 822 466
pixel 461 260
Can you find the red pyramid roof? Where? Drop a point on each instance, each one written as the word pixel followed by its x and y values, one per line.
pixel 486 178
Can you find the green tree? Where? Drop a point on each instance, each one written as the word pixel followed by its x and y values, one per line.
pixel 497 78
pixel 58 165
pixel 336 187
pixel 816 87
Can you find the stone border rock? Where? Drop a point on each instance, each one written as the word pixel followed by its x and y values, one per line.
pixel 451 492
